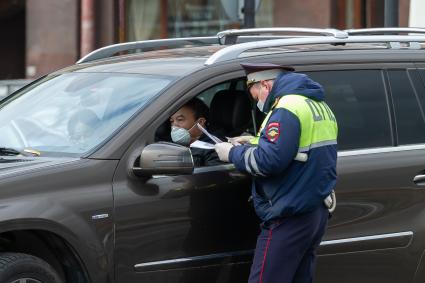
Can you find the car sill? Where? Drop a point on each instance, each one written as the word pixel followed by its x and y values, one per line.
pixel 374 242
pixel 381 150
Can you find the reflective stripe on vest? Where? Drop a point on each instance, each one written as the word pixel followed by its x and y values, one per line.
pixel 317 121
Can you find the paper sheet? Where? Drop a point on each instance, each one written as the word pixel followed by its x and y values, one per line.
pixel 201 144
pixel 212 137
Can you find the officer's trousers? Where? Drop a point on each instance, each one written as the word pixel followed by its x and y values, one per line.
pixel 286 249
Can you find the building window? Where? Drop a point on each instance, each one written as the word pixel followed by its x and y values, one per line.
pixel 152 19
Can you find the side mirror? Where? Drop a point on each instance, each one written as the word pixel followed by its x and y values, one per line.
pixel 165 158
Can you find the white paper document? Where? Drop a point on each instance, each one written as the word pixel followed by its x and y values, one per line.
pixel 212 137
pixel 201 144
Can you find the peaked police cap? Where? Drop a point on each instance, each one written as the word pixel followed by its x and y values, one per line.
pixel 256 72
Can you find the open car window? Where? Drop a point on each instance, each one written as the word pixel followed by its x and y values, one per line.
pixel 230 111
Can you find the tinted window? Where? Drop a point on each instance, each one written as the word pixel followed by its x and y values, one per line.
pixel 358 100
pixel 207 95
pixel 408 111
pixel 420 89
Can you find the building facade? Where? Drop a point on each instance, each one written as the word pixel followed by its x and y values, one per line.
pixel 42 36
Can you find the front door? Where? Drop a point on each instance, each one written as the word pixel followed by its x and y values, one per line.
pixel 187 228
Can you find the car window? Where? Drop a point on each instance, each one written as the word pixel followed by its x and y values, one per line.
pixel 358 99
pixel 241 84
pixel 409 114
pixel 207 95
pixel 421 88
pixel 229 115
pixel 74 112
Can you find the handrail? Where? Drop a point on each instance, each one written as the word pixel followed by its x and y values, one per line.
pixel 233 51
pixel 110 50
pixel 384 30
pixel 259 40
pixel 230 36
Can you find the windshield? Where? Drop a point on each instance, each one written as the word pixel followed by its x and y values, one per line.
pixel 70 114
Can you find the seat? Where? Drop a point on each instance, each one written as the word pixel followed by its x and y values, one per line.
pixel 230 113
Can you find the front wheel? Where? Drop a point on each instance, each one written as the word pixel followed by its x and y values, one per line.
pixel 23 268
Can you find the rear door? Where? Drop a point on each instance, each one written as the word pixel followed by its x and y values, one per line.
pixel 377 232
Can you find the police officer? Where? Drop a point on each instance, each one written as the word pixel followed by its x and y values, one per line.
pixel 293 162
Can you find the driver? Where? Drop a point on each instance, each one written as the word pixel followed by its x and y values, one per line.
pixel 82 125
pixel 185 132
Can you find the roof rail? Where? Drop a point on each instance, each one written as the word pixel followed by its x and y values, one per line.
pixel 233 51
pixel 256 38
pixel 394 30
pixel 110 50
pixel 230 36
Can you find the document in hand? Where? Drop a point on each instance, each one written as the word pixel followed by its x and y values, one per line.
pixel 212 137
pixel 201 144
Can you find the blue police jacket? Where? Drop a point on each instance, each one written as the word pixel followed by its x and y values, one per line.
pixel 298 122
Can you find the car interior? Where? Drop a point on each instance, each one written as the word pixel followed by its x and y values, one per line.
pixel 232 111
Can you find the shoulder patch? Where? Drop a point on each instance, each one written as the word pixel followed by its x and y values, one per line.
pixel 273 131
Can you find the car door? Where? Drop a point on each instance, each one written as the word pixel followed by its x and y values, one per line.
pixel 376 233
pixel 182 228
pixel 419 178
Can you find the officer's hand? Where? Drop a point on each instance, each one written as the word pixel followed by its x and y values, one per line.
pixel 223 149
pixel 240 139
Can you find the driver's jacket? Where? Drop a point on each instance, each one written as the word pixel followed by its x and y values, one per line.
pixel 298 121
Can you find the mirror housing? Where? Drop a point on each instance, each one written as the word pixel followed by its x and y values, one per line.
pixel 165 158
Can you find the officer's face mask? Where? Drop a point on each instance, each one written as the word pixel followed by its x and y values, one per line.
pixel 260 104
pixel 181 135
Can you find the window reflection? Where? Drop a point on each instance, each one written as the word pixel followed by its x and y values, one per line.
pixel 73 113
pixel 152 19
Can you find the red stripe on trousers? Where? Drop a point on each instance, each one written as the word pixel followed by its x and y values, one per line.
pixel 265 255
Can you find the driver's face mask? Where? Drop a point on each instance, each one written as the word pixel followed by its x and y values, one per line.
pixel 181 135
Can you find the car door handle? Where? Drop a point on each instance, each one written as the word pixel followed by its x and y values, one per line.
pixel 419 180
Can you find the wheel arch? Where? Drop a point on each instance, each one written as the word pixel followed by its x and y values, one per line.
pixel 49 246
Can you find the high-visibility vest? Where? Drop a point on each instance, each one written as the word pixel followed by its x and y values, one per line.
pixel 317 121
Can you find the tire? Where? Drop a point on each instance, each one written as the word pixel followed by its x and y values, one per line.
pixel 23 268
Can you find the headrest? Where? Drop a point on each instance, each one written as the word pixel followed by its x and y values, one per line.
pixel 230 110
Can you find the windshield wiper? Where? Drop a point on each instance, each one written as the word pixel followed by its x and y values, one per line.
pixel 8 151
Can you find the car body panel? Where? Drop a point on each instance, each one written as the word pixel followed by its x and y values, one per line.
pixel 376 199
pixel 72 199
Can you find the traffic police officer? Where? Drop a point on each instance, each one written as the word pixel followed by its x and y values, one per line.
pixel 293 161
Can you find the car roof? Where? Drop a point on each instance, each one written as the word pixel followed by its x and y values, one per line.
pixel 185 58
pixel 170 62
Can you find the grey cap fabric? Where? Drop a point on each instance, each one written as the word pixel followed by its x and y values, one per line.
pixel 256 72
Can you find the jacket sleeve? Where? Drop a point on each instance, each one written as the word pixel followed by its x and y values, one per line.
pixel 277 147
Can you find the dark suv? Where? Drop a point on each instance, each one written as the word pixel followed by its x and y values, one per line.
pixel 92 190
